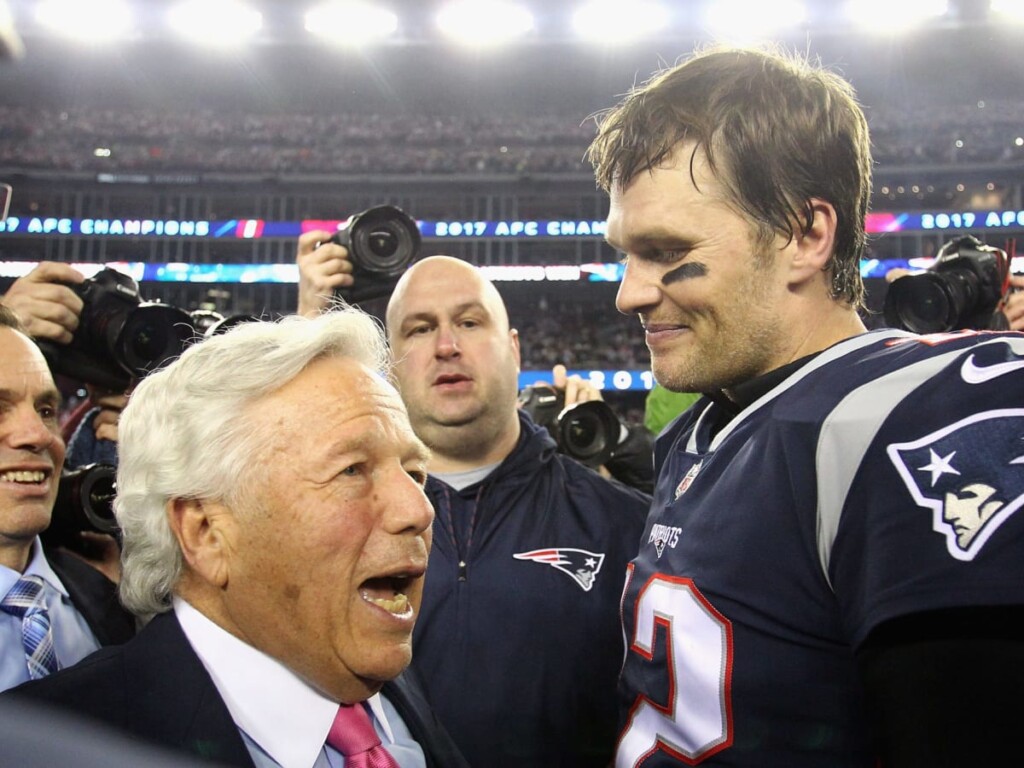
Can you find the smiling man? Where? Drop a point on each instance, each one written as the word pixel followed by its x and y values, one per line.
pixel 54 608
pixel 270 492
pixel 801 597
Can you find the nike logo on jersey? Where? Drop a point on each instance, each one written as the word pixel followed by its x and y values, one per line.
pixel 579 564
pixel 973 373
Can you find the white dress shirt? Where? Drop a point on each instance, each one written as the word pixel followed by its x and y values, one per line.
pixel 280 713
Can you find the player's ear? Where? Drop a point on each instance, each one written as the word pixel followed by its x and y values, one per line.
pixel 815 243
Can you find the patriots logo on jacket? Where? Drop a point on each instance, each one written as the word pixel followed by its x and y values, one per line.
pixel 581 565
pixel 970 474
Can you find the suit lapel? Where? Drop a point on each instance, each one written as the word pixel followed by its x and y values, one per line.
pixel 94 596
pixel 178 702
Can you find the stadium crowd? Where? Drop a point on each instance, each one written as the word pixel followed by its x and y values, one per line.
pixel 203 140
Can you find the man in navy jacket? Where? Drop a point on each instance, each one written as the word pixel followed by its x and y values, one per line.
pixel 519 641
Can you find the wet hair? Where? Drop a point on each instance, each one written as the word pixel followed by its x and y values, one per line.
pixel 776 131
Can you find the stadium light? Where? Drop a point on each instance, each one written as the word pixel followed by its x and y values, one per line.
pixel 615 23
pixel 94 22
pixel 745 20
pixel 887 16
pixel 215 22
pixel 1010 10
pixel 484 22
pixel 351 23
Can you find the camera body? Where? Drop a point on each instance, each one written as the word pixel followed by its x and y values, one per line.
pixel 962 289
pixel 119 336
pixel 85 503
pixel 382 242
pixel 588 432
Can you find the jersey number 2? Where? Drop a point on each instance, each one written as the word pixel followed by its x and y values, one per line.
pixel 697 720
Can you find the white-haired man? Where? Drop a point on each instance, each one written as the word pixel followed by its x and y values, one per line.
pixel 270 493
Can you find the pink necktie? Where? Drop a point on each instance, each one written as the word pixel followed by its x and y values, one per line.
pixel 352 734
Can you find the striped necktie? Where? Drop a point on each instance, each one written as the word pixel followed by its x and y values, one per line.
pixel 353 735
pixel 25 600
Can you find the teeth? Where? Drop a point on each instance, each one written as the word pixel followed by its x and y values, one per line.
pixel 23 477
pixel 398 605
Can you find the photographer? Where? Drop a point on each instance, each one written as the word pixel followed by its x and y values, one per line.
pixel 55 609
pixel 968 287
pixel 50 311
pixel 44 303
pixel 530 547
pixel 1014 306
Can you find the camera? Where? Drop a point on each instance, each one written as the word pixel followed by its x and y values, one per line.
pixel 119 336
pixel 382 242
pixel 85 502
pixel 961 290
pixel 588 432
pixel 209 322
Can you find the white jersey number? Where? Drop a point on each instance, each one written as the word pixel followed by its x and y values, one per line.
pixel 697 721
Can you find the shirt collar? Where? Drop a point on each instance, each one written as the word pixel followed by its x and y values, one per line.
pixel 38 565
pixel 747 392
pixel 282 713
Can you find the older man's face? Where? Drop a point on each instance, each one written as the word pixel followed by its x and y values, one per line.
pixel 326 573
pixel 31 449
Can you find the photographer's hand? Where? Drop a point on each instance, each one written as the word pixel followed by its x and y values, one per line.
pixel 48 309
pixel 1014 306
pixel 576 389
pixel 321 271
pixel 110 404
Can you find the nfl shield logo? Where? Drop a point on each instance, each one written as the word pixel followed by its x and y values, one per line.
pixel 688 478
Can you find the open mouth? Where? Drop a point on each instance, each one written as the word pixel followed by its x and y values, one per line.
pixel 389 593
pixel 24 476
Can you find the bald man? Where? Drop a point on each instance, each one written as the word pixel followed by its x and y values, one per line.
pixel 518 640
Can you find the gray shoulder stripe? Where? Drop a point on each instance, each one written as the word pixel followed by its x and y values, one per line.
pixel 832 353
pixel 851 427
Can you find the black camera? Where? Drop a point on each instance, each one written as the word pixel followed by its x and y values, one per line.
pixel 382 242
pixel 961 290
pixel 588 432
pixel 119 336
pixel 209 322
pixel 85 502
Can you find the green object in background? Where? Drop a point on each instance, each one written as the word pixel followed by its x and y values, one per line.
pixel 663 405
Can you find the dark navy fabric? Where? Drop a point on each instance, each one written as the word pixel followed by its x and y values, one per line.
pixel 828 506
pixel 520 648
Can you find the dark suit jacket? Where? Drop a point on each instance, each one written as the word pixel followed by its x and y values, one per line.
pixel 94 596
pixel 156 688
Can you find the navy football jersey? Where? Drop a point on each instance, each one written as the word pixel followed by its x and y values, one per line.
pixel 880 479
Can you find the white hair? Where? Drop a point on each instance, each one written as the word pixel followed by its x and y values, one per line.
pixel 185 435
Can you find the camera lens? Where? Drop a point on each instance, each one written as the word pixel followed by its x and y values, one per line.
pixel 931 302
pixel 85 502
pixel 583 433
pixel 383 243
pixel 148 342
pixel 589 432
pixel 151 336
pixel 382 247
pixel 98 490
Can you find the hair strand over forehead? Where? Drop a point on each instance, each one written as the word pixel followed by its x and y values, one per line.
pixel 776 131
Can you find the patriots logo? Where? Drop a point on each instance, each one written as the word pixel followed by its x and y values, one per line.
pixel 969 474
pixel 581 565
